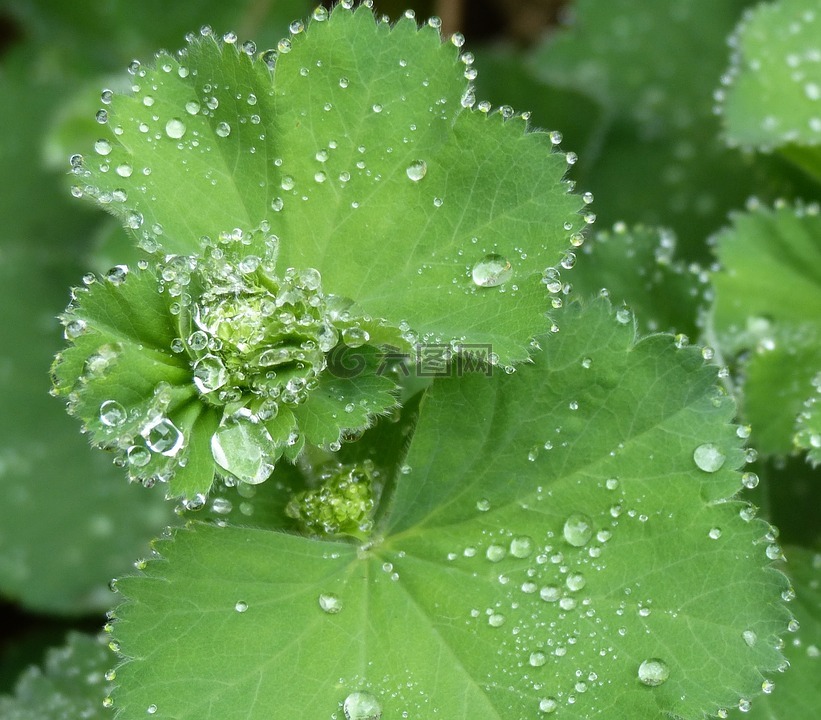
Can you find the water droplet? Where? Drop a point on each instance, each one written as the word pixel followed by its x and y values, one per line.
pixel 151 709
pixel 715 533
pixel 192 107
pixel 330 603
pixel 578 529
pixel 521 547
pixel 241 606
pixel 355 337
pixel 209 373
pixel 575 582
pixel 163 437
pixel 550 593
pixel 102 147
pixel 138 456
pixel 495 553
pixel 623 316
pixel 112 414
pixel 483 505
pixel 175 128
pixel 240 447
pixel 491 271
pixel 708 457
pixel 749 480
pixel 537 659
pixel 653 672
pixel 496 619
pixel 749 637
pixel 223 129
pixel 417 170
pixel 362 706
pixel 548 705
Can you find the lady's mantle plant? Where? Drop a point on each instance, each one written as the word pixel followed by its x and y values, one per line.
pixel 561 538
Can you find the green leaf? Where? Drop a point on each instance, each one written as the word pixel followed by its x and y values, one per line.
pixel 72 684
pixel 656 157
pixel 635 59
pixel 774 96
pixel 361 155
pixel 65 527
pixel 566 535
pixel 766 311
pixel 216 364
pixel 796 692
pixel 639 268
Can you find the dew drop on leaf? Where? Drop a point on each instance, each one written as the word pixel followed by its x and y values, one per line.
pixel 238 448
pixel 362 706
pixel 495 553
pixel 417 170
pixel 749 637
pixel 548 705
pixel 112 414
pixel 578 529
pixel 496 620
pixel 355 337
pixel 241 606
pixel 138 456
pixel 175 128
pixel 521 547
pixel 163 437
pixel 708 457
pixel 491 271
pixel 223 129
pixel 330 603
pixel 653 672
pixel 537 659
pixel 102 147
pixel 209 373
pixel 575 582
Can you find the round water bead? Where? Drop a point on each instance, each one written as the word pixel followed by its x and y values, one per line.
pixel 578 529
pixel 362 706
pixel 417 170
pixel 708 457
pixel 653 672
pixel 330 603
pixel 491 271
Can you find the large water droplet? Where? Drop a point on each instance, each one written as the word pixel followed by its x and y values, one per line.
pixel 749 637
pixel 521 547
pixel 653 672
pixel 163 437
pixel 239 447
pixel 223 129
pixel 416 170
pixel 112 414
pixel 578 529
pixel 330 603
pixel 175 128
pixel 362 706
pixel 209 373
pixel 491 271
pixel 708 457
pixel 548 705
